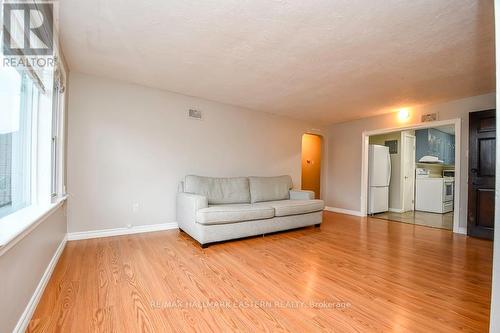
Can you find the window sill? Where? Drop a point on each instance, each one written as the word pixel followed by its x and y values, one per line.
pixel 16 226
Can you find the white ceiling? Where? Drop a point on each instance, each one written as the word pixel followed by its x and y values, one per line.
pixel 320 60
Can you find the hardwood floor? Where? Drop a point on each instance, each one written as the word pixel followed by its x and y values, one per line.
pixel 351 275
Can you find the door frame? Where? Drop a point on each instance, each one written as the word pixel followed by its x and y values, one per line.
pixel 404 137
pixel 458 142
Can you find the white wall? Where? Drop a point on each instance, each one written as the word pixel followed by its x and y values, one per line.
pixel 131 144
pixel 344 149
pixel 23 265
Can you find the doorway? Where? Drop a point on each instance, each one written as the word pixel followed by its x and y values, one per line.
pixel 424 182
pixel 311 163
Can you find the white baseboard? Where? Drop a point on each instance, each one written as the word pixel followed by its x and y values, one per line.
pixel 121 231
pixel 462 230
pixel 24 321
pixel 396 210
pixel 344 211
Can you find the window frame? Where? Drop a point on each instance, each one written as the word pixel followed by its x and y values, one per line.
pixel 54 141
pixel 15 226
pixel 47 178
pixel 57 184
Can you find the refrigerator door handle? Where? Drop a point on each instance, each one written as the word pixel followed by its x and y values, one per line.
pixel 389 169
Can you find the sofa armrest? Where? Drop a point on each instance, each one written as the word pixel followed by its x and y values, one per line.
pixel 301 195
pixel 187 206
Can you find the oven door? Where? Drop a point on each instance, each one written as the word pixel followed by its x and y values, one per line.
pixel 448 191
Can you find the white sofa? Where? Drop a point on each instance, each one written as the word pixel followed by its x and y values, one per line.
pixel 218 209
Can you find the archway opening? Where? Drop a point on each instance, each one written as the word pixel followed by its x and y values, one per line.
pixel 311 163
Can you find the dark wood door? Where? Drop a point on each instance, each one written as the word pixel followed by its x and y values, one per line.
pixel 482 155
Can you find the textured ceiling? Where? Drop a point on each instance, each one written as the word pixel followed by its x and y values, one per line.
pixel 326 61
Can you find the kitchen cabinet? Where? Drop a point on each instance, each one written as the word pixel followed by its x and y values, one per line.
pixel 433 142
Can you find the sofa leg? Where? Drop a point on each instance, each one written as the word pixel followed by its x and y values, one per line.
pixel 204 246
pixel 317 225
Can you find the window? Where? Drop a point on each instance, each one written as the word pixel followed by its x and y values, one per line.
pixel 18 107
pixel 32 121
pixel 31 128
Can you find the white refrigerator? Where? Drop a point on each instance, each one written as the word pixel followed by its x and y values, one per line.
pixel 379 177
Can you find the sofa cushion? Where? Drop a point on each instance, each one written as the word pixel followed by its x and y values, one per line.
pixel 221 214
pixel 294 207
pixel 219 190
pixel 270 188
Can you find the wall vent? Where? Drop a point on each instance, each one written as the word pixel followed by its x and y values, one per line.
pixel 195 114
pixel 429 117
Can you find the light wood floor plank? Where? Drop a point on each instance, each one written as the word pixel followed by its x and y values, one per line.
pixel 376 276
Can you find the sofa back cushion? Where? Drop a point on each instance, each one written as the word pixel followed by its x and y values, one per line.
pixel 219 190
pixel 270 188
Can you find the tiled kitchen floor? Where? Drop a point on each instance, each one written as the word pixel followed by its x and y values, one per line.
pixel 442 221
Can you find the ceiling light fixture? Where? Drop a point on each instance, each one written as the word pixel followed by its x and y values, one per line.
pixel 403 114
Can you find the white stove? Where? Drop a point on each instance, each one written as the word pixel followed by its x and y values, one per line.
pixel 434 194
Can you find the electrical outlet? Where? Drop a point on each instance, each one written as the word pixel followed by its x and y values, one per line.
pixel 135 207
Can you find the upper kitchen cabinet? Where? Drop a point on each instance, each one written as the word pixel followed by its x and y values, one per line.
pixel 433 142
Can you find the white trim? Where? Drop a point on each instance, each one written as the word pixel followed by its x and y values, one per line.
pixel 344 211
pixel 25 318
pixel 462 230
pixel 121 231
pixel 402 185
pixel 17 225
pixel 458 145
pixel 417 126
pixel 364 173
